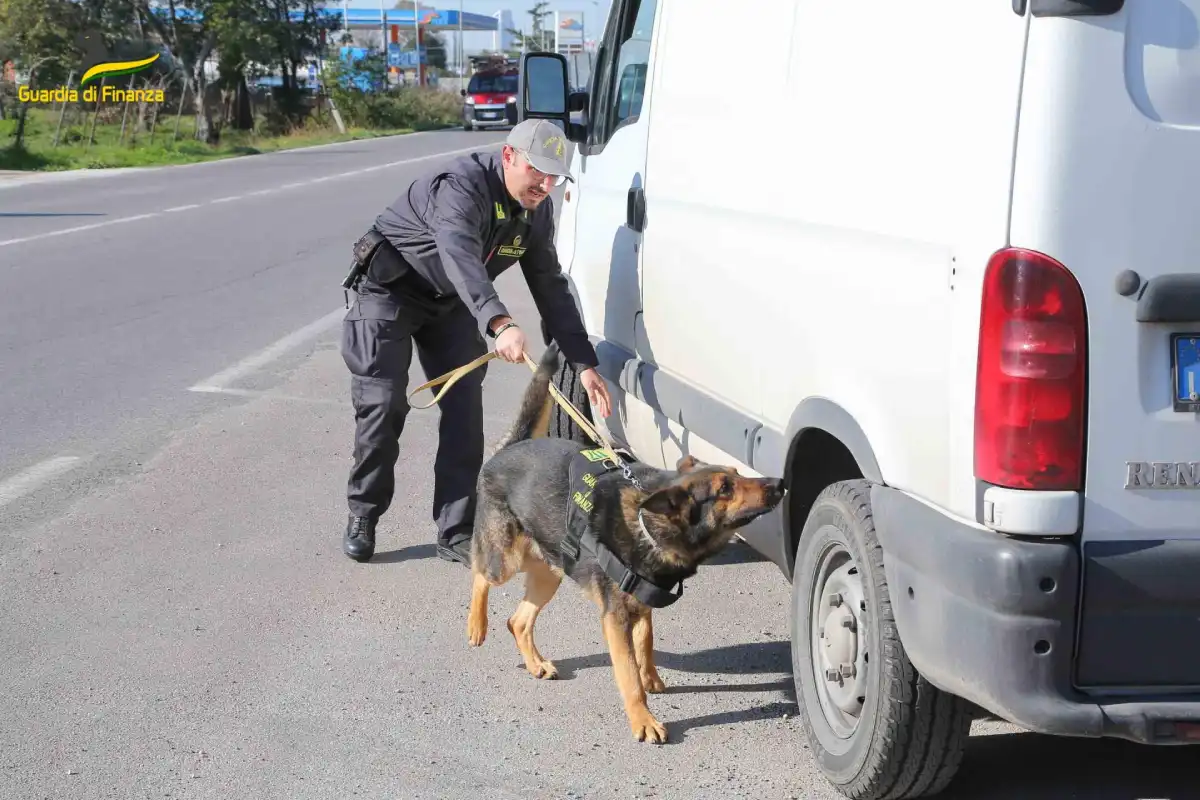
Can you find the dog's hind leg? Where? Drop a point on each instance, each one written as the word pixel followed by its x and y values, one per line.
pixel 477 617
pixel 541 583
pixel 625 669
pixel 643 649
pixel 493 561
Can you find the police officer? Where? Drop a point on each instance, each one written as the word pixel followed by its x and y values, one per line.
pixel 427 267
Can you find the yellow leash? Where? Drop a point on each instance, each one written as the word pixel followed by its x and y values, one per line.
pixel 453 376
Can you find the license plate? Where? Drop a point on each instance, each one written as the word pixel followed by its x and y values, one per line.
pixel 1185 370
pixel 490 114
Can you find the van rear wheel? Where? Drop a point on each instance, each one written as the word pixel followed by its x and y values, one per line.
pixel 876 727
pixel 561 425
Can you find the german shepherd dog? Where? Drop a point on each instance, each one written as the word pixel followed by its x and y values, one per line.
pixel 664 534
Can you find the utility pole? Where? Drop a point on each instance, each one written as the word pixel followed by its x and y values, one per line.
pixel 383 41
pixel 417 28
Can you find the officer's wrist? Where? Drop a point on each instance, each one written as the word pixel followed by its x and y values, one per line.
pixel 500 325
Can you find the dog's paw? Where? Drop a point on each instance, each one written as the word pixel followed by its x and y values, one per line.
pixel 646 728
pixel 653 684
pixel 545 670
pixel 476 629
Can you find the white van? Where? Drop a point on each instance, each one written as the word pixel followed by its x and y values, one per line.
pixel 938 265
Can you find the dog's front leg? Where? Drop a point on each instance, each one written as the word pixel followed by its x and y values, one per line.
pixel 643 648
pixel 625 669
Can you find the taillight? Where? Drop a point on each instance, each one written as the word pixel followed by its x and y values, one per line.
pixel 1032 380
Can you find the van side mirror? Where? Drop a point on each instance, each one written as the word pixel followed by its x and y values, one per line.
pixel 545 93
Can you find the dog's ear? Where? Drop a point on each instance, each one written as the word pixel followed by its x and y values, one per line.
pixel 672 501
pixel 687 464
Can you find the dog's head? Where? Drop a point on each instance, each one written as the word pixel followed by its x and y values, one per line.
pixel 705 504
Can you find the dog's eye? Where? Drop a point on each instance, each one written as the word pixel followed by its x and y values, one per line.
pixel 726 487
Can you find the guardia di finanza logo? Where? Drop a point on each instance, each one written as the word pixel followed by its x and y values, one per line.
pixel 93 93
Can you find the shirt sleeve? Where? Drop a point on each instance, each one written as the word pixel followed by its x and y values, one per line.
pixel 458 217
pixel 554 300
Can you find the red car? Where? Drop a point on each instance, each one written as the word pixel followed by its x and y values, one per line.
pixel 490 99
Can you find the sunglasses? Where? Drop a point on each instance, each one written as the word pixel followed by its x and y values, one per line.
pixel 556 180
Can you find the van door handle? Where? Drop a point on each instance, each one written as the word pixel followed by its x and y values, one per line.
pixel 635 209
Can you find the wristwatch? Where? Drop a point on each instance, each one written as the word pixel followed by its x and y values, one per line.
pixel 496 333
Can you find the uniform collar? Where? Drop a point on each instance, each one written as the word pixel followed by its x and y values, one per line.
pixel 502 201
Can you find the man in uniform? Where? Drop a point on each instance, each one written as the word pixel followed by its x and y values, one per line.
pixel 427 267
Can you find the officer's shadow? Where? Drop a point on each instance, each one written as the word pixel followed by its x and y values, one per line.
pixel 411 553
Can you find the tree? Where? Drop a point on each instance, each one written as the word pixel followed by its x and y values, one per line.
pixel 540 38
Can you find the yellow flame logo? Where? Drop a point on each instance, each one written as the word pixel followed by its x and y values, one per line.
pixel 556 142
pixel 114 68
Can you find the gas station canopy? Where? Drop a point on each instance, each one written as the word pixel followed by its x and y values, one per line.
pixel 369 18
pixel 430 19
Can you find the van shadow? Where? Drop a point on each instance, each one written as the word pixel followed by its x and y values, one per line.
pixel 752 663
pixel 997 766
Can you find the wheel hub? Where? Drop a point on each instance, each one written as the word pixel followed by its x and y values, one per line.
pixel 839 622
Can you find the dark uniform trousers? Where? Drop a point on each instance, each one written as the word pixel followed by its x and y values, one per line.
pixel 378 335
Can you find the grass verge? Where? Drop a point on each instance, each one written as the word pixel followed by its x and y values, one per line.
pixel 39 153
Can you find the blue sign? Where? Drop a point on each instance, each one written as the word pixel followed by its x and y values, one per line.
pixel 1187 370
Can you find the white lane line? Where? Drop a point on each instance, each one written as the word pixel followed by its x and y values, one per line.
pixel 376 168
pixel 25 482
pixel 79 228
pixel 290 398
pixel 181 208
pixel 220 381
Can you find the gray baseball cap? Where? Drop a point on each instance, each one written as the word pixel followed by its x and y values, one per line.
pixel 544 143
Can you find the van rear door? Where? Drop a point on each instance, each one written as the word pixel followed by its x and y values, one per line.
pixel 1107 182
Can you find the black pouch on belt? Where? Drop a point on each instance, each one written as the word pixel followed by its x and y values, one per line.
pixel 386 265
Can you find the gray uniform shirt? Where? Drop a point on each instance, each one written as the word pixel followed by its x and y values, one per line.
pixel 459 229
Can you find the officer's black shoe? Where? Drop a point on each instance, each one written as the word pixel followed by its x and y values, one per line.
pixel 457 549
pixel 359 541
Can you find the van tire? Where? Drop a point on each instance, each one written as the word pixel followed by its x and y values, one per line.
pixel 910 736
pixel 561 425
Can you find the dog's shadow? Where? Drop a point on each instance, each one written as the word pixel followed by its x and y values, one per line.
pixel 750 660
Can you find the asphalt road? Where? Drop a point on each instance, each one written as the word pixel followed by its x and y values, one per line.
pixel 178 618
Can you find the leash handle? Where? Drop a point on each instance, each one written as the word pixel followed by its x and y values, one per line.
pixel 454 376
pixel 450 378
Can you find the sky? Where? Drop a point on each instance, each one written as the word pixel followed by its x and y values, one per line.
pixel 594 12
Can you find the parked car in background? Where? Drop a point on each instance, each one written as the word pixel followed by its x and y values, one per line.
pixel 490 99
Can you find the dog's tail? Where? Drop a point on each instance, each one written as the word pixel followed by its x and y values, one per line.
pixel 533 419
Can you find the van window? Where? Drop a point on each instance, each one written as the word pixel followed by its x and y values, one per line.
pixel 627 66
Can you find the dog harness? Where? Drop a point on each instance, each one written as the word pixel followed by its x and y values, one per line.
pixel 585 469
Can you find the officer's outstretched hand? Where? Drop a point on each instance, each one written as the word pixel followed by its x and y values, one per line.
pixel 597 391
pixel 510 345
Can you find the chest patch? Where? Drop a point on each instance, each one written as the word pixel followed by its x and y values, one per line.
pixel 513 250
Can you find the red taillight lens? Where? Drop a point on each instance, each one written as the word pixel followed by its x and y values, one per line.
pixel 1030 389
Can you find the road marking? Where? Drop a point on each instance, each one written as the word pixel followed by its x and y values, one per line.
pixel 377 167
pixel 220 381
pixel 181 208
pixel 79 228
pixel 25 482
pixel 270 395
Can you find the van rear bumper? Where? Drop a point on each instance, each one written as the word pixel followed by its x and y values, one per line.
pixel 992 619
